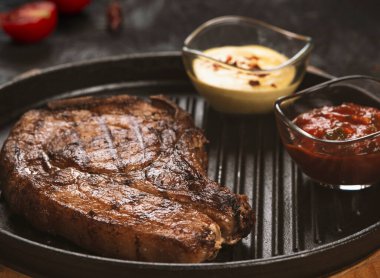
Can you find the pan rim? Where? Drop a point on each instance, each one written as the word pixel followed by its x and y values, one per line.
pixel 203 266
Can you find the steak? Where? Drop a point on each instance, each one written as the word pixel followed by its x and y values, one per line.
pixel 122 177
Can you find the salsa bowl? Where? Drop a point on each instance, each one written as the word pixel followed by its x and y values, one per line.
pixel 334 160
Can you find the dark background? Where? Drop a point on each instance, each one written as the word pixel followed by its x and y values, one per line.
pixel 347 33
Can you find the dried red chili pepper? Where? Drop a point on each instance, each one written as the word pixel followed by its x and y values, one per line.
pixel 114 16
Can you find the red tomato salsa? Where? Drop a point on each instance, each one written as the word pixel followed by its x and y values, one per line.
pixel 344 162
pixel 346 121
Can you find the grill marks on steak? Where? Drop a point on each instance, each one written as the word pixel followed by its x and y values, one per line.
pixel 123 177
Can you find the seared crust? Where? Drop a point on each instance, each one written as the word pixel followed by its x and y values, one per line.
pixel 122 177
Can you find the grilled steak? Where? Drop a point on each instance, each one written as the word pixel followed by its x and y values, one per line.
pixel 122 177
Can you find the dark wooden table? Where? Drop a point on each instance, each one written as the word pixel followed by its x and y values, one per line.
pixel 347 36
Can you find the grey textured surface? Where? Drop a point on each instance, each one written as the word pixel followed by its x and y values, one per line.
pixel 347 33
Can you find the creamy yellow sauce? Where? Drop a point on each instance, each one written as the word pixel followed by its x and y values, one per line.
pixel 234 91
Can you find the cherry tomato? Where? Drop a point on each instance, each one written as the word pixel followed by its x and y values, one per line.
pixel 71 6
pixel 30 22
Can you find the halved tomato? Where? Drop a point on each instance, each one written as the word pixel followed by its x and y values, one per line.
pixel 31 22
pixel 71 6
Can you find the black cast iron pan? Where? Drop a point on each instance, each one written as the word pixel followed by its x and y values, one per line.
pixel 302 229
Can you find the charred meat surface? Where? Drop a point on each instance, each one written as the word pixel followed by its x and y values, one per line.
pixel 123 177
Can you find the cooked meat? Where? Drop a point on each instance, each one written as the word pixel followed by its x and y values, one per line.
pixel 122 177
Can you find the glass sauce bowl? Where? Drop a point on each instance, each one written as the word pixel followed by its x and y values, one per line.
pixel 351 164
pixel 238 89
